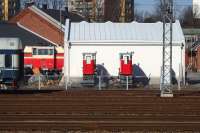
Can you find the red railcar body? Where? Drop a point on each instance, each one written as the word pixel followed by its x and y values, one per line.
pixel 126 67
pixel 48 59
pixel 59 61
pixel 89 67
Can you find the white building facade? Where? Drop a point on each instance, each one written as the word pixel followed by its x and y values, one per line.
pixel 196 8
pixel 109 39
pixel 93 9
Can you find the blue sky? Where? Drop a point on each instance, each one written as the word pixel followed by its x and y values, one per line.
pixel 148 5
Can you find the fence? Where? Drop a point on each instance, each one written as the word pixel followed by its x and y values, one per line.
pixel 41 81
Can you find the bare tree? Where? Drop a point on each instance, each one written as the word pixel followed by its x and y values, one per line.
pixel 112 10
pixel 186 17
pixel 99 9
pixel 154 16
pixel 54 4
pixel 139 17
pixel 189 17
pixel 157 14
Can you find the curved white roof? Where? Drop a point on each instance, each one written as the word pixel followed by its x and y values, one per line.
pixel 133 33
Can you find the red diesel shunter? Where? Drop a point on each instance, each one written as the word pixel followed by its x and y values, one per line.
pixel 46 58
pixel 89 68
pixel 126 68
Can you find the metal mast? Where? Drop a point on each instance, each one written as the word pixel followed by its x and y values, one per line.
pixel 166 73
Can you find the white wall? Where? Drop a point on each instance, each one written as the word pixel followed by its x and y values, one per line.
pixel 149 58
pixel 10 43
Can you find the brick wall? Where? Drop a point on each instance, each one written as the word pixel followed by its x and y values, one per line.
pixel 198 59
pixel 39 25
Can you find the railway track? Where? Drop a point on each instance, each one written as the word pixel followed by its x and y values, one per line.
pixel 100 110
pixel 104 125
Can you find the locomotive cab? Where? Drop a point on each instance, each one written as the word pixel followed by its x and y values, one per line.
pixel 89 69
pixel 126 68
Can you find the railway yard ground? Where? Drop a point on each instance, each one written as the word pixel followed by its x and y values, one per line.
pixel 93 111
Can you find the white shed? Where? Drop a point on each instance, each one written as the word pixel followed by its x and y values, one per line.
pixel 109 39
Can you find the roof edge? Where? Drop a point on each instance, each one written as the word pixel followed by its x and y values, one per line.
pixel 47 17
pixel 23 27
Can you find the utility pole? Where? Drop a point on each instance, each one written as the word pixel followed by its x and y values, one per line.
pixel 122 10
pixel 5 8
pixel 94 7
pixel 133 9
pixel 166 73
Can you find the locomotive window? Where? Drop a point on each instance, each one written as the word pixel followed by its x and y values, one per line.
pixel 8 61
pixel 88 59
pixel 46 52
pixel 34 51
pixel 50 51
pixel 42 51
pixel 126 59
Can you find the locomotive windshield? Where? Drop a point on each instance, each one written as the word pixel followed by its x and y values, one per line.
pixel 126 59
pixel 88 59
pixel 37 51
pixel 43 51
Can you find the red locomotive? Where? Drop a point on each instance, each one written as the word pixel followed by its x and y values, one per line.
pixel 126 68
pixel 89 69
pixel 44 58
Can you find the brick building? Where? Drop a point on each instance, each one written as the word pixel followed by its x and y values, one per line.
pixel 36 21
pixel 84 7
pixel 193 57
pixel 44 23
pixel 119 10
pixel 112 10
